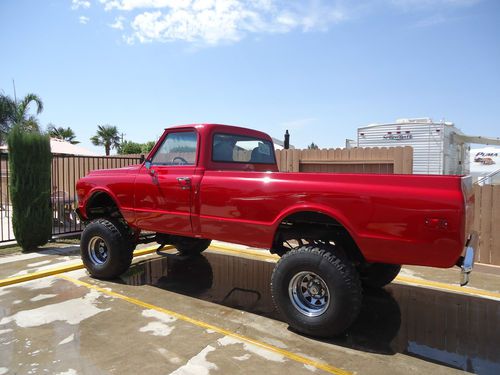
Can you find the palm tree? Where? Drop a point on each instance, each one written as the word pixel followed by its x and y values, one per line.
pixel 67 134
pixel 21 117
pixel 106 136
pixel 14 113
pixel 7 108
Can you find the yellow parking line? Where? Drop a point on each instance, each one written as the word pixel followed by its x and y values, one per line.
pixel 293 356
pixel 450 287
pixel 401 279
pixel 150 250
pixel 66 268
pixel 40 274
pixel 254 253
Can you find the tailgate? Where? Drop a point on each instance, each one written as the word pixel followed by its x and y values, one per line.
pixel 468 193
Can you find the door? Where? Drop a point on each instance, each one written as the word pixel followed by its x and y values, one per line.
pixel 163 191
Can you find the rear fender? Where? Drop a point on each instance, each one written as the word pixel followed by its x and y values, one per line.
pixel 328 211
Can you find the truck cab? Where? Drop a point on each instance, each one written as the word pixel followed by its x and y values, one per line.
pixel 168 184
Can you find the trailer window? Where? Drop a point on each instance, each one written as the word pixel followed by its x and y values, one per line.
pixel 177 149
pixel 231 148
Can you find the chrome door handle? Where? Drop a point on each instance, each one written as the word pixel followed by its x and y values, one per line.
pixel 184 182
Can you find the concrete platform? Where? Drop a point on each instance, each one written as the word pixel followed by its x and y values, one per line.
pixel 214 314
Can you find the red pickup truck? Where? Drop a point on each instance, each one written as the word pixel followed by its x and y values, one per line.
pixel 334 232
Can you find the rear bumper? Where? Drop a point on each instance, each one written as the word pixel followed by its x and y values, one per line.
pixel 468 258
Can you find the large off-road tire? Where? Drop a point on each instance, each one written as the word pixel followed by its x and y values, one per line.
pixel 106 248
pixel 192 246
pixel 317 290
pixel 290 244
pixel 378 275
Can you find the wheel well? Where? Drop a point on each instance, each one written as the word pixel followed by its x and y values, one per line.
pixel 101 204
pixel 316 226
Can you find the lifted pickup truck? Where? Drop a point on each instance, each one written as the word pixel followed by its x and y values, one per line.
pixel 334 232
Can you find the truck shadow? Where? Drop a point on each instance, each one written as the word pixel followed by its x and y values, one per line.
pixel 449 329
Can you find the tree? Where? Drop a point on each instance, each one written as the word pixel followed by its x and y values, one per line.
pixel 7 106
pixel 16 113
pixel 313 146
pixel 66 134
pixel 148 146
pixel 30 161
pixel 129 147
pixel 107 136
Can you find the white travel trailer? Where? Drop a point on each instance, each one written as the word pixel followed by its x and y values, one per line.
pixel 438 147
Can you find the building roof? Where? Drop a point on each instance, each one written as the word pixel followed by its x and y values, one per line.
pixel 58 146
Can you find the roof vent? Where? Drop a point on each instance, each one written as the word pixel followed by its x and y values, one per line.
pixel 418 120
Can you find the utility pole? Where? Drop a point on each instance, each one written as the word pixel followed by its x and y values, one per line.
pixel 14 85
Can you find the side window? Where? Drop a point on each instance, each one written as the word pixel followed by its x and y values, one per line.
pixel 231 148
pixel 177 149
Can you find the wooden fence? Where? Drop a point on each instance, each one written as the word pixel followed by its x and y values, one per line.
pixel 487 223
pixel 390 160
pixel 355 160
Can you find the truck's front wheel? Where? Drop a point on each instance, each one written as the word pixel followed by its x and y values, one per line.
pixel 106 249
pixel 317 290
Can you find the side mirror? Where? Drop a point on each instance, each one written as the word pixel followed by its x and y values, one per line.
pixel 148 166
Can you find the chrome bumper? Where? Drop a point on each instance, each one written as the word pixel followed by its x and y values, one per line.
pixel 468 258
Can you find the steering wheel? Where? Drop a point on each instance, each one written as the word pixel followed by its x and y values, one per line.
pixel 182 160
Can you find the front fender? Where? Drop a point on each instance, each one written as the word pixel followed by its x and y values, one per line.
pixel 92 193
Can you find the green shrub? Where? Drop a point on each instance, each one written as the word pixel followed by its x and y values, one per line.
pixel 29 163
pixel 129 147
pixel 148 146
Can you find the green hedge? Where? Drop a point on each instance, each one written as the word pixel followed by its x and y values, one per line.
pixel 30 160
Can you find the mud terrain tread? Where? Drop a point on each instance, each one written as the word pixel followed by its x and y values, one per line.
pixel 351 298
pixel 120 247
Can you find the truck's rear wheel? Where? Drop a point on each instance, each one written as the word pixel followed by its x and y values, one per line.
pixel 106 248
pixel 377 275
pixel 295 243
pixel 192 246
pixel 317 291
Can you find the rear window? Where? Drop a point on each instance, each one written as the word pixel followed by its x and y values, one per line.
pixel 232 148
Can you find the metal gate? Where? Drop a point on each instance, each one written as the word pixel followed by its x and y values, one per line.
pixel 66 170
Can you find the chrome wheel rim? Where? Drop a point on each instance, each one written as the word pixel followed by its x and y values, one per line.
pixel 98 250
pixel 309 293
